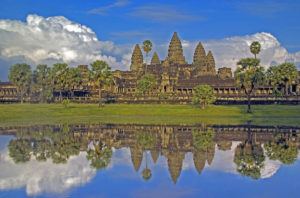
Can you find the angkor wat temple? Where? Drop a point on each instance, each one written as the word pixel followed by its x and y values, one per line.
pixel 175 78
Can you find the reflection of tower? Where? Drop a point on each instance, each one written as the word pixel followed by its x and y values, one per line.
pixel 210 153
pixel 136 156
pixel 199 158
pixel 154 155
pixel 175 160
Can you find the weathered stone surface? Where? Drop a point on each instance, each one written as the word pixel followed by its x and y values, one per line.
pixel 211 66
pixel 155 60
pixel 175 52
pixel 199 159
pixel 200 57
pixel 224 73
pixel 136 58
pixel 136 157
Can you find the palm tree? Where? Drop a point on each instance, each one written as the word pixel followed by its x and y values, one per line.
pixel 147 47
pixel 255 48
pixel 100 156
pixel 101 76
pixel 147 174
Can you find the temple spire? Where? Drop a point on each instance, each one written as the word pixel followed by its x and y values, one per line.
pixel 136 58
pixel 155 60
pixel 199 56
pixel 211 67
pixel 175 52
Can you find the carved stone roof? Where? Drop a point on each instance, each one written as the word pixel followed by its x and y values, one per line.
pixel 175 52
pixel 199 56
pixel 199 160
pixel 136 157
pixel 155 60
pixel 136 58
pixel 211 62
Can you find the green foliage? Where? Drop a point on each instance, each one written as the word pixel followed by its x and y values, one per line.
pixel 100 155
pixel 282 75
pixel 66 103
pixel 147 47
pixel 19 150
pixel 146 84
pixel 204 95
pixel 146 174
pixel 203 138
pixel 58 77
pixel 44 143
pixel 101 76
pixel 41 83
pixel 282 150
pixel 146 139
pixel 249 75
pixel 163 96
pixel 249 159
pixel 255 48
pixel 20 76
pixel 73 79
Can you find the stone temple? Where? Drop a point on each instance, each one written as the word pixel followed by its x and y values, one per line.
pixel 175 78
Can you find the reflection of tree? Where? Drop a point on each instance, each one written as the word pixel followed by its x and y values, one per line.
pixel 147 140
pixel 249 158
pixel 203 138
pixel 43 143
pixel 19 150
pixel 283 150
pixel 147 174
pixel 100 155
pixel 204 148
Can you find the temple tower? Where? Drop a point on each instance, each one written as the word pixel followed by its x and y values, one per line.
pixel 200 58
pixel 155 60
pixel 136 59
pixel 175 52
pixel 211 66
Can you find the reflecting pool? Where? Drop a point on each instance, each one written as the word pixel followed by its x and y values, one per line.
pixel 105 160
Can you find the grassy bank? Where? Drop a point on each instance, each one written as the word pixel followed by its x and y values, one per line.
pixel 32 114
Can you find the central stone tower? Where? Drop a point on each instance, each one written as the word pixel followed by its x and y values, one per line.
pixel 175 52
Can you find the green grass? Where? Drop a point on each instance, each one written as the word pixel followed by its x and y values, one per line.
pixel 33 114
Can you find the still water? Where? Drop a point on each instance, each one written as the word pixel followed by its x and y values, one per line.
pixel 97 160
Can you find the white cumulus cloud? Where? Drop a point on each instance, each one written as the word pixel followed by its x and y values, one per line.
pixel 56 38
pixel 40 177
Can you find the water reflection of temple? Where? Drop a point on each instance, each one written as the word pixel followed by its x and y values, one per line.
pixel 172 142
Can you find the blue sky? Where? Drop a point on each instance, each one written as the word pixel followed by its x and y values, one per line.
pixel 125 22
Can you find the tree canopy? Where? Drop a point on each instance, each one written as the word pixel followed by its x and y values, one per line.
pixel 146 84
pixel 249 75
pixel 203 95
pixel 20 76
pixel 255 48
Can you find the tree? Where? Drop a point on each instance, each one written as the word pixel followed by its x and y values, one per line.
pixel 273 78
pixel 58 77
pixel 147 47
pixel 100 155
pixel 255 48
pixel 249 76
pixel 20 76
pixel 288 73
pixel 100 76
pixel 282 76
pixel 147 141
pixel 146 84
pixel 249 158
pixel 283 150
pixel 73 79
pixel 42 81
pixel 204 95
pixel 20 150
